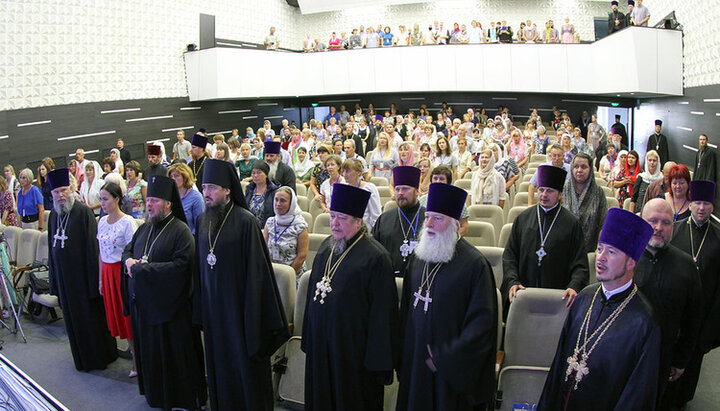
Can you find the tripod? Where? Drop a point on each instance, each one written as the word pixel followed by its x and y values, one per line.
pixel 5 292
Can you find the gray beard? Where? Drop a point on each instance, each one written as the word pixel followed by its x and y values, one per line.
pixel 439 249
pixel 338 245
pixel 63 209
pixel 273 169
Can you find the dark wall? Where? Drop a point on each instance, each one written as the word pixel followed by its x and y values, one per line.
pixel 680 114
pixel 26 145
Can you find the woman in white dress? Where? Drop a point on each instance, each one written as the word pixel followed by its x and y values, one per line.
pixel 384 158
pixel 488 186
pixel 286 233
pixel 91 185
pixel 352 170
pixel 332 165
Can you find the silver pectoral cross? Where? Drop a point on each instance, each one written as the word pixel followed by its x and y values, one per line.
pixel 59 235
pixel 541 254
pixel 426 299
pixel 407 248
pixel 322 289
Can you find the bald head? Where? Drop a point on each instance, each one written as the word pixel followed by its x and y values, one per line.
pixel 666 169
pixel 658 213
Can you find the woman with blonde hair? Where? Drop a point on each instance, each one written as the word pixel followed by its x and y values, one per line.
pixel 488 185
pixel 426 167
pixel 30 202
pixel 191 199
pixel 12 181
pixel 384 158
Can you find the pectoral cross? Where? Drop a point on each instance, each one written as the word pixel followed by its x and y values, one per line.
pixel 541 254
pixel 322 288
pixel 59 236
pixel 579 367
pixel 426 299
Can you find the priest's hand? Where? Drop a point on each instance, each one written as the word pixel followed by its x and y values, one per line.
pixel 513 291
pixel 569 295
pixel 676 373
pixel 128 265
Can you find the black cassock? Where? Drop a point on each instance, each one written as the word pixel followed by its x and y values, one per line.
pixel 671 284
pixel 388 231
pixel 168 350
pixel 708 264
pixel 155 170
pixel 284 176
pixel 460 326
pixel 74 279
pixel 705 165
pixel 198 168
pixel 564 266
pixel 623 366
pixel 239 306
pixel 659 143
pixel 612 16
pixel 351 340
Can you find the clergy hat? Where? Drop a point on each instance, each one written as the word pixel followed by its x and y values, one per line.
pixel 702 190
pixel 199 141
pixel 272 147
pixel 613 3
pixel 626 231
pixel 165 188
pixel 406 176
pixel 551 176
pixel 60 177
pixel 224 174
pixel 153 150
pixel 631 3
pixel 446 199
pixel 658 122
pixel 349 200
pixel 202 130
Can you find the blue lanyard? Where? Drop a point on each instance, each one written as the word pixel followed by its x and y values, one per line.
pixel 277 237
pixel 413 225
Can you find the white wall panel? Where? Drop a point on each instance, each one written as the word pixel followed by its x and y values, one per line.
pixel 553 81
pixel 525 67
pixel 496 67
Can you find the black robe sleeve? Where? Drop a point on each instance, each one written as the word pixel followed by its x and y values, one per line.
pixel 692 316
pixel 511 258
pixel 52 279
pixel 91 254
pixel 578 269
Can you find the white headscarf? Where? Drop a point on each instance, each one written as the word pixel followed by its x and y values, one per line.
pixel 657 175
pixel 118 162
pixel 482 181
pixel 294 210
pixel 301 168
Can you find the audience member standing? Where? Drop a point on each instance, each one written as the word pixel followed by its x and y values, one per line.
pixel 73 268
pixel 125 155
pixel 271 41
pixel 678 193
pixel 181 149
pixel 7 205
pixel 640 14
pixel 651 174
pixel 30 202
pixel 136 194
pixel 197 158
pixel 585 199
pixel 286 233
pixel 192 199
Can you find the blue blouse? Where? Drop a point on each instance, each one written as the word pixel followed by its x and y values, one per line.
pixel 28 204
pixel 193 205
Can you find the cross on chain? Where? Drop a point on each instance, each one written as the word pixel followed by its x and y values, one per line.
pixel 322 288
pixel 62 237
pixel 426 299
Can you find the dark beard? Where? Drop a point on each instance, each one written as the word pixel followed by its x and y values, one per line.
pixel 157 219
pixel 215 214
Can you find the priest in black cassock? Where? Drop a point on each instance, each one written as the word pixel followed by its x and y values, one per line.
pixel 198 158
pixel 705 161
pixel 73 264
pixel 699 236
pixel 280 173
pixel 616 19
pixel 350 331
pixel 158 286
pixel 155 167
pixel 669 279
pixel 546 247
pixel 236 298
pixel 658 142
pixel 608 354
pixel 449 315
pixel 398 229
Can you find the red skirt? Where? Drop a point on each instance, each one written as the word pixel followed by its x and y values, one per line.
pixel 118 324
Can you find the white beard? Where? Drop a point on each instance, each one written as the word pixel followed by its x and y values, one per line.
pixel 273 169
pixel 63 209
pixel 437 249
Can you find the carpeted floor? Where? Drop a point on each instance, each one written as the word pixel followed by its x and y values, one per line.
pixel 46 358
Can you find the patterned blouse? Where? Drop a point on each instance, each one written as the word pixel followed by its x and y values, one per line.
pixel 282 241
pixel 320 175
pixel 7 203
pixel 134 196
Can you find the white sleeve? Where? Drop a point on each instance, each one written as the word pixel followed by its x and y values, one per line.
pixel 374 209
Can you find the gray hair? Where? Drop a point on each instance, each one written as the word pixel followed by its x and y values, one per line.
pixel 27 173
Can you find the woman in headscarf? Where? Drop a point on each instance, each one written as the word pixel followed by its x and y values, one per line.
pixel 91 185
pixel 488 186
pixel 286 233
pixel 628 176
pixel 115 156
pixel 303 166
pixel 584 198
pixel 406 154
pixel 651 174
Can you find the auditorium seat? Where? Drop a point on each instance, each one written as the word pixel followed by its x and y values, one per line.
pixel 612 202
pixel 602 183
pixel 591 265
pixel 539 157
pixel 514 212
pixel 2 228
pixel 301 190
pixel 468 175
pixel 524 187
pixel 504 235
pixel 626 204
pixel 304 203
pixel 464 184
pixel 315 239
pixel 315 209
pixel 379 181
pixel 539 313
pixel 489 213
pixel 480 233
pixel 292 381
pixel 12 237
pixel 389 205
pixel 243 185
pixel 525 177
pixel 286 281
pixel 309 220
pixel 385 195
pixel 608 192
pixel 521 199
pixel 321 224
pixel 41 253
pixel 46 217
pixel 26 250
pixel 494 257
pixel 530 170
